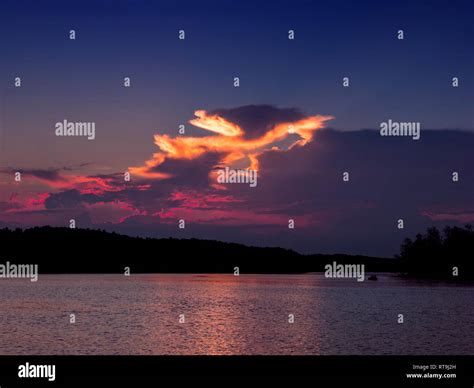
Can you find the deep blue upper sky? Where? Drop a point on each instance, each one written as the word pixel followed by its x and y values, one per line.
pixel 409 79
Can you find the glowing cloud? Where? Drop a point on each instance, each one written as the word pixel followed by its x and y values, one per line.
pixel 229 142
pixel 215 123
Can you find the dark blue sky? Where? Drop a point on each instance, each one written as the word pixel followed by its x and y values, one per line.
pixel 249 39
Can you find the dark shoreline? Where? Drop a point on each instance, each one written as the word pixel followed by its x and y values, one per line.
pixel 65 250
pixel 75 251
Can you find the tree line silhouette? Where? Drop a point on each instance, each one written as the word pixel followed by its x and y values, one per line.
pixel 65 250
pixel 440 254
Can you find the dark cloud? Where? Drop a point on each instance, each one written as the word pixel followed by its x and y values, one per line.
pixel 52 175
pixel 258 119
pixel 189 173
pixel 390 178
pixel 69 199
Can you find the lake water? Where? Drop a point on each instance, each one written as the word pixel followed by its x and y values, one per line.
pixel 224 314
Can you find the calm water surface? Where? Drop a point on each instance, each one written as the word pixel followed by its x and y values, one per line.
pixel 234 315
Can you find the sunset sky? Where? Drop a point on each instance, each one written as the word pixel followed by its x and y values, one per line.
pixel 284 84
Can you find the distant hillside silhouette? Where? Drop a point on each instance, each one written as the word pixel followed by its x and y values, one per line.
pixel 65 250
pixel 436 255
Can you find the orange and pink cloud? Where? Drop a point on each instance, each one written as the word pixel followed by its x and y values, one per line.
pixel 229 142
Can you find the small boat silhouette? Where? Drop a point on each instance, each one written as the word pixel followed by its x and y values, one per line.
pixel 373 277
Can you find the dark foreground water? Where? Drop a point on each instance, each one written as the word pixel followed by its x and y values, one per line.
pixel 224 314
